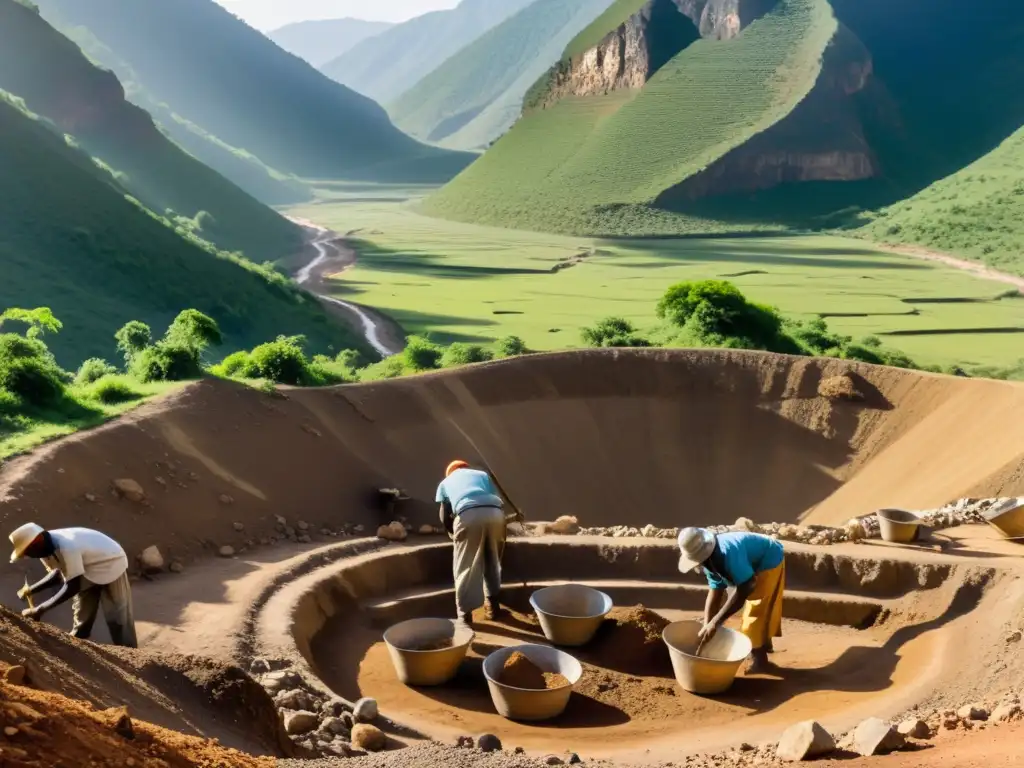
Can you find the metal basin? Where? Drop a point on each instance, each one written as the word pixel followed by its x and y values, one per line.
pixel 898 525
pixel 1008 518
pixel 524 703
pixel 419 667
pixel 719 661
pixel 570 614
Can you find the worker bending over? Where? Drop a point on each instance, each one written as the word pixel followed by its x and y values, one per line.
pixel 472 511
pixel 92 569
pixel 754 567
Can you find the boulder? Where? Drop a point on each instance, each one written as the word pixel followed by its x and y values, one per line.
pixel 129 489
pixel 297 723
pixel 805 741
pixel 226 551
pixel 914 728
pixel 876 737
pixel 553 760
pixel 151 560
pixel 365 710
pixel 1006 712
pixel 368 737
pixel 974 711
pixel 14 675
pixel 334 726
pixel 488 742
pixel 295 699
pixel 574 759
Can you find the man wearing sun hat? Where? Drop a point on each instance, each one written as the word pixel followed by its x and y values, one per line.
pixel 754 567
pixel 472 511
pixel 91 569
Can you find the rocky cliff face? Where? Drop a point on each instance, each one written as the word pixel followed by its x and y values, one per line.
pixel 723 19
pixel 823 139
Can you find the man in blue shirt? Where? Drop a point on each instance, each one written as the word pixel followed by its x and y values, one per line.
pixel 472 512
pixel 754 567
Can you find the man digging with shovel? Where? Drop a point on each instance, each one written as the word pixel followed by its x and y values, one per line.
pixel 472 512
pixel 754 567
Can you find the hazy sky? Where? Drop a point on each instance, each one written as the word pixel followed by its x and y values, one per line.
pixel 271 14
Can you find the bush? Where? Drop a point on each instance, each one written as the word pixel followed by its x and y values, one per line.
pixel 281 361
pixel 352 359
pixel 29 372
pixel 93 370
pixel 613 332
pixel 132 338
pixel 464 354
pixel 235 365
pixel 111 390
pixel 388 368
pixel 511 346
pixel 194 330
pixel 421 355
pixel 166 361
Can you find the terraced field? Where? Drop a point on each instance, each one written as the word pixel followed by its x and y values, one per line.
pixel 463 282
pixel 603 159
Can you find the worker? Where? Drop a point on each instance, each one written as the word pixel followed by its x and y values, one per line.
pixel 91 568
pixel 743 570
pixel 472 512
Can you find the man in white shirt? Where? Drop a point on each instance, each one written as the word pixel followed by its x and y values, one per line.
pixel 92 569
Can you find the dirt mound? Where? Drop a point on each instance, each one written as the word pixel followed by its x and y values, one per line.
pixel 48 729
pixel 519 672
pixel 630 641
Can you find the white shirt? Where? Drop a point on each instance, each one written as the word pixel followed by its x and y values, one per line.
pixel 88 553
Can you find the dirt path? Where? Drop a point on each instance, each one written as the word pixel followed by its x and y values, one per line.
pixel 334 256
pixel 975 268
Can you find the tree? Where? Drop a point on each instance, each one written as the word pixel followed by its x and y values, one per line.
pixel 613 332
pixel 40 320
pixel 133 337
pixel 194 330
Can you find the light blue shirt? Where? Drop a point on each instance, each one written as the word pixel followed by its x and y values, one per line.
pixel 742 556
pixel 468 488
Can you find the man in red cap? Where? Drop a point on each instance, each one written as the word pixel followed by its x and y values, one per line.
pixel 472 512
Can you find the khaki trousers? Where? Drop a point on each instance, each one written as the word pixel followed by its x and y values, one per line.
pixel 116 598
pixel 479 536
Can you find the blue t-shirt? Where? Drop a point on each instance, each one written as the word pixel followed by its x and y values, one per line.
pixel 742 556
pixel 468 488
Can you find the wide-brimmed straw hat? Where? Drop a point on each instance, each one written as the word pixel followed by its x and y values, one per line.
pixel 22 537
pixel 695 546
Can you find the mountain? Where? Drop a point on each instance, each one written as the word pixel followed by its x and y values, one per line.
pixel 477 94
pixel 671 116
pixel 320 41
pixel 73 240
pixel 386 66
pixel 235 84
pixel 51 74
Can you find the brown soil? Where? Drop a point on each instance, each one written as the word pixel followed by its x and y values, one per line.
pixel 630 641
pixel 440 644
pixel 48 729
pixel 519 672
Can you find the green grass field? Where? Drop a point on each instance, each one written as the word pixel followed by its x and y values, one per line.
pixel 593 164
pixel 464 282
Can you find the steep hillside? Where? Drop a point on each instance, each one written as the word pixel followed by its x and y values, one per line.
pixel 651 105
pixel 319 41
pixel 72 240
pixel 474 96
pixel 55 79
pixel 387 65
pixel 220 74
pixel 977 212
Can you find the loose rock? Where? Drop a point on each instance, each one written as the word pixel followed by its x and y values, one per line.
pixel 914 728
pixel 394 531
pixel 176 567
pixel 426 530
pixel 296 723
pixel 566 525
pixel 238 526
pixel 226 551
pixel 302 525
pixel 151 560
pixel 574 759
pixel 805 741
pixel 225 499
pixel 368 737
pixel 129 489
pixel 488 742
pixel 876 737
pixel 259 666
pixel 464 742
pixel 1006 712
pixel 974 711
pixel 365 710
pixel 14 675
pixel 295 699
pixel 553 760
pixel 333 725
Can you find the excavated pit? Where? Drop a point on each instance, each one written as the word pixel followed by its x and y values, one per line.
pixel 861 636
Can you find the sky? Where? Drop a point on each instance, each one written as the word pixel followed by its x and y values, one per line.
pixel 267 15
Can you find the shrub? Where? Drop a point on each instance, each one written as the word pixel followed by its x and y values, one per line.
pixel 194 330
pixel 464 354
pixel 511 346
pixel 389 368
pixel 132 338
pixel 352 359
pixel 111 390
pixel 235 365
pixel 29 372
pixel 613 332
pixel 421 355
pixel 39 320
pixel 281 360
pixel 166 361
pixel 93 370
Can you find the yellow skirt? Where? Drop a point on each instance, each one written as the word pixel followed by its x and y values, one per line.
pixel 762 614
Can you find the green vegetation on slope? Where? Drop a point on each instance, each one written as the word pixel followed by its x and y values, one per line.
pixel 593 164
pixel 977 212
pixel 613 17
pixel 55 79
pixel 387 65
pixel 72 240
pixel 237 85
pixel 319 41
pixel 476 94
